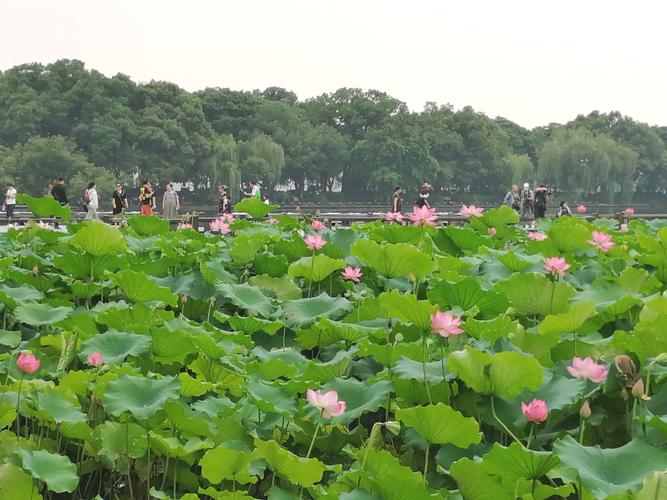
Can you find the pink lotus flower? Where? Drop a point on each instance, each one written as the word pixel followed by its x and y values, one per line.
pixel 393 217
pixel 314 242
pixel 28 363
pixel 228 218
pixel 219 226
pixel 95 359
pixel 624 228
pixel 491 231
pixel 535 411
pixel 587 369
pixel 629 211
pixel 327 403
pixel 582 208
pixel 183 226
pixel 317 225
pixel 556 265
pixel 602 241
pixel 352 274
pixel 537 236
pixel 471 211
pixel 423 216
pixel 446 324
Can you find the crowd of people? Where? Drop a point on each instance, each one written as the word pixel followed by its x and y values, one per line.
pixel 171 203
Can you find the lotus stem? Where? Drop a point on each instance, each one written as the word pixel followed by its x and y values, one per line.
pixel 18 404
pixel 507 430
pixel 426 453
pixel 582 428
pixel 530 435
pixel 428 390
pixel 312 441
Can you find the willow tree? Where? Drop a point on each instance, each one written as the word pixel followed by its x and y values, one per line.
pixel 221 167
pixel 261 159
pixel 581 163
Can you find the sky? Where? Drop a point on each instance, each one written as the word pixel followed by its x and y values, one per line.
pixel 534 62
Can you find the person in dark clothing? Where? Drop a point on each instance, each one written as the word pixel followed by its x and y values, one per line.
pixel 541 196
pixel 422 199
pixel 118 200
pixel 146 195
pixel 563 209
pixel 59 192
pixel 224 203
pixel 397 200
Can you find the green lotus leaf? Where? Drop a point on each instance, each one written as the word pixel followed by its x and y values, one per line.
pixel 97 239
pixel 141 396
pixel 360 397
pixel 297 470
pixel 248 298
pixel 315 268
pixel 11 296
pixel 515 462
pixel 468 294
pixel 441 424
pixel 408 309
pixel 389 479
pixel 138 287
pixel 304 312
pixel 534 294
pixel 248 324
pixel 637 280
pixel 389 354
pixel 609 471
pixel 254 207
pixel 85 266
pixel 115 346
pixel 568 235
pixel 45 207
pixel 120 440
pixel 270 398
pixel 15 483
pixel 559 392
pixel 58 409
pixel 493 329
pixel 273 265
pixel 327 332
pixel 342 239
pixel 191 284
pixel 394 260
pixel 148 225
pixel 246 247
pixel 173 447
pixel 223 463
pixel 284 287
pixel 292 249
pixel 171 346
pixel 215 271
pixel 568 322
pixel 457 240
pixel 57 471
pixel 476 484
pixel 38 314
pixel 504 374
pixel 395 233
pixel 409 369
pixel 655 486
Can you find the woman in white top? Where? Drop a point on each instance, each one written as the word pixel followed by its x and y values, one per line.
pixel 93 203
pixel 10 200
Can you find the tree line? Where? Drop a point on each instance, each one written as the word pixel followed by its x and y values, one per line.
pixel 62 119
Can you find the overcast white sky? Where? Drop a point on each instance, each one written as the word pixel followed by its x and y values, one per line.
pixel 533 62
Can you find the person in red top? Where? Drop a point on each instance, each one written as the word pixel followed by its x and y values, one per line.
pixel 146 195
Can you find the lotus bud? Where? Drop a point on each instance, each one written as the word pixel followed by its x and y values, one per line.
pixel 95 400
pixel 626 368
pixel 411 277
pixel 398 338
pixel 638 389
pixel 393 427
pixel 35 269
pixel 184 298
pixel 660 358
pixel 585 411
pixel 429 343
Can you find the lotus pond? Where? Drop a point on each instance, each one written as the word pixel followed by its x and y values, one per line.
pixel 275 358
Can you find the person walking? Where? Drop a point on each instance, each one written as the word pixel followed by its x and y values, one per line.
pixel 170 203
pixel 397 200
pixel 10 201
pixel 513 198
pixel 93 202
pixel 118 201
pixel 59 192
pixel 422 199
pixel 527 202
pixel 224 203
pixel 542 195
pixel 146 195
